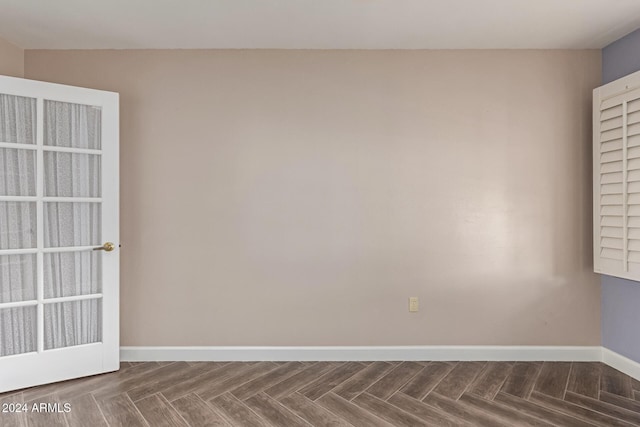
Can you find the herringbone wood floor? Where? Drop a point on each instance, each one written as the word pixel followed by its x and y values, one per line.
pixel 340 394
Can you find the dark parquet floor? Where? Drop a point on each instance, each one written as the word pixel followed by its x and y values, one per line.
pixel 338 394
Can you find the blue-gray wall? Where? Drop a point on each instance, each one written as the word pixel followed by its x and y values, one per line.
pixel 621 298
pixel 621 57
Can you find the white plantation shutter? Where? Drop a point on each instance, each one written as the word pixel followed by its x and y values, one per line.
pixel 616 178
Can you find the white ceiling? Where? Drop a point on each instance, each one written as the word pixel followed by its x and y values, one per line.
pixel 317 24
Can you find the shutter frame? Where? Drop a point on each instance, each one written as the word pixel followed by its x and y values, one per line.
pixel 596 181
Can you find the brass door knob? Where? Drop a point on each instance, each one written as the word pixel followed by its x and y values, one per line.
pixel 107 247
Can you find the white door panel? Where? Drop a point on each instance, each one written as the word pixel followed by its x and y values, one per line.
pixel 58 205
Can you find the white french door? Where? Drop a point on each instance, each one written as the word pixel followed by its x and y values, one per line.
pixel 59 257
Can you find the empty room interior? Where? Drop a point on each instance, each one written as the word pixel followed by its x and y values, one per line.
pixel 319 213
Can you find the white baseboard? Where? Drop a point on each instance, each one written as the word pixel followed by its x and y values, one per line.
pixel 380 353
pixel 621 363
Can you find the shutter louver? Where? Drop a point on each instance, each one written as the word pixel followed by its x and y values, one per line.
pixel 616 158
pixel 611 188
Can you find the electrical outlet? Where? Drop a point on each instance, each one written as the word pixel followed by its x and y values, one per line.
pixel 413 304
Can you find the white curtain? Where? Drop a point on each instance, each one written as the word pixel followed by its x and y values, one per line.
pixel 17 119
pixel 17 225
pixel 72 224
pixel 72 323
pixel 72 125
pixel 71 273
pixel 65 224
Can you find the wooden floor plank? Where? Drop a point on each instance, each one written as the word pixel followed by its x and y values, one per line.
pixel 429 414
pixel 603 407
pixel 362 380
pixel 102 383
pixel 257 385
pixel 15 417
pixel 331 379
pixel 387 411
pixel 40 413
pixel 201 382
pixel 197 412
pixel 503 412
pixel 299 380
pixel 420 385
pixel 552 380
pixel 576 411
pixel 272 411
pixel 59 388
pixel 350 412
pixel 623 402
pixel 84 412
pixel 158 412
pixel 236 412
pixel 46 419
pixel 541 412
pixel 521 379
pixel 119 411
pixel 136 368
pixel 214 364
pixel 460 377
pixel 490 379
pixel 394 380
pixel 127 383
pixel 80 386
pixel 584 379
pixel 171 375
pixel 464 411
pixel 311 412
pixel 615 382
pixel 215 389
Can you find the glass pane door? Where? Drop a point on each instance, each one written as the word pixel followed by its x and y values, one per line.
pixel 59 271
pixel 50 224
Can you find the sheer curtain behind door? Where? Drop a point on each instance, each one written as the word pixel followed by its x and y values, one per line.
pixel 17 224
pixel 65 224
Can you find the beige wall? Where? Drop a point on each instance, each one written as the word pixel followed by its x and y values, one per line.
pixel 300 197
pixel 11 59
